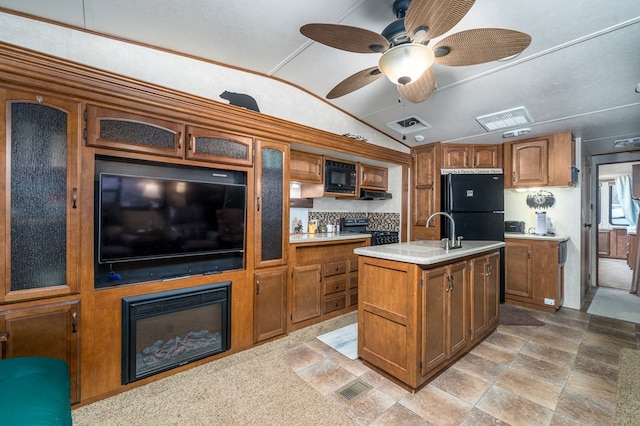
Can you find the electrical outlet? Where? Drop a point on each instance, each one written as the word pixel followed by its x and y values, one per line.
pixel 549 301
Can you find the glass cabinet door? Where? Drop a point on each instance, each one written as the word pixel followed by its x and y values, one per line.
pixel 41 203
pixel 272 201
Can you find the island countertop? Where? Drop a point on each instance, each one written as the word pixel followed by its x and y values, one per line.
pixel 426 252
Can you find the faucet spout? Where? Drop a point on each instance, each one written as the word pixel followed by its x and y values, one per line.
pixel 453 243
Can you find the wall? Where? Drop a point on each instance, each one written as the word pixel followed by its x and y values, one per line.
pixel 185 74
pixel 565 215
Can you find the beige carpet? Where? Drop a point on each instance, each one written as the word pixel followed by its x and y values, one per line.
pixel 235 390
pixel 628 392
pixel 614 273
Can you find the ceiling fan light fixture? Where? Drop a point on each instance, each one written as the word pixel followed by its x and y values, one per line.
pixel 405 63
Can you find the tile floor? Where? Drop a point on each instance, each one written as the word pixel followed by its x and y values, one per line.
pixel 562 373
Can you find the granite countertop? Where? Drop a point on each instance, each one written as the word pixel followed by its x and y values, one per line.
pixel 322 237
pixel 426 252
pixel 559 238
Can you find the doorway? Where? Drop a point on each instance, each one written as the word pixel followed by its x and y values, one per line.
pixel 614 236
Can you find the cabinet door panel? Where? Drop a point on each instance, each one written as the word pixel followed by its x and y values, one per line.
pixel 486 156
pixel 40 214
pixel 457 308
pixel 518 269
pixel 269 304
pixel 125 131
pixel 455 156
pixel 215 146
pixel 305 167
pixel 530 163
pixel 434 324
pixel 493 288
pixel 478 292
pixel 373 177
pixel 272 204
pixel 307 293
pixel 49 331
pixel 425 192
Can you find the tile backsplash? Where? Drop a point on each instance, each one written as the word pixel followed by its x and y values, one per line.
pixel 377 221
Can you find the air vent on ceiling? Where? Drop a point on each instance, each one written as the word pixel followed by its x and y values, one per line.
pixel 409 125
pixel 505 119
pixel 623 143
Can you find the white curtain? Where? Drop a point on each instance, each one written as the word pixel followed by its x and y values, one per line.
pixel 630 207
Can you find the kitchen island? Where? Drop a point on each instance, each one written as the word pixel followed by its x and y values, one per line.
pixel 422 307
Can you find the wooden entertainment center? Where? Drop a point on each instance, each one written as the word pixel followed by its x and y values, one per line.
pixel 50 304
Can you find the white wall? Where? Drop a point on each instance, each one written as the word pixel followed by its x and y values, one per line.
pixel 566 216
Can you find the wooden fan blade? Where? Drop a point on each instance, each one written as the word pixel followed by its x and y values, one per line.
pixel 480 45
pixel 439 16
pixel 421 89
pixel 355 82
pixel 344 37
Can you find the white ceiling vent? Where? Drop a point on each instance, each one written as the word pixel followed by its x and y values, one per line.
pixel 623 143
pixel 409 125
pixel 505 119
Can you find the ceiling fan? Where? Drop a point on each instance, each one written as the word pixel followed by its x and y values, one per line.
pixel 406 57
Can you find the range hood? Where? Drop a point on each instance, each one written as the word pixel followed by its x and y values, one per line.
pixel 366 194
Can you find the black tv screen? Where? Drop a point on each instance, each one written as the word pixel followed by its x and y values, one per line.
pixel 149 218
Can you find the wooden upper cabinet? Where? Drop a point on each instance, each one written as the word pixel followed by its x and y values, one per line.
pixel 456 156
pixel 529 163
pixel 374 177
pixel 132 132
pixel 219 147
pixel 125 131
pixel 42 196
pixel 486 156
pixel 545 161
pixel 306 167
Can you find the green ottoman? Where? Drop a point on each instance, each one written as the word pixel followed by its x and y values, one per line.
pixel 34 391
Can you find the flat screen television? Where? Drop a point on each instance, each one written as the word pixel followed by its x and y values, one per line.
pixel 142 218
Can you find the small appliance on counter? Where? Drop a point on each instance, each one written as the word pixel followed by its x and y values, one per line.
pixel 514 226
pixel 359 225
pixel 541 223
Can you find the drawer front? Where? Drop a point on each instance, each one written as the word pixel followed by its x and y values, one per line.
pixel 334 285
pixel 334 268
pixel 334 304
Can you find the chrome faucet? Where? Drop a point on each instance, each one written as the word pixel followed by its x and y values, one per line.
pixel 452 242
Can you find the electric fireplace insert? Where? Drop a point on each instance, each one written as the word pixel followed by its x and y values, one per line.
pixel 161 331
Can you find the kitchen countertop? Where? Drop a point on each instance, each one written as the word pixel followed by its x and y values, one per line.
pixel 322 237
pixel 426 252
pixel 559 238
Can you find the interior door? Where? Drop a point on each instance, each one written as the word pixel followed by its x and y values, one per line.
pixel 589 225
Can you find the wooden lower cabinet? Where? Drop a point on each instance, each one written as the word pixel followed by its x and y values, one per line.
pixel 613 243
pixel 324 281
pixel 270 304
pixel 49 330
pixel 444 314
pixel 533 276
pixel 414 321
pixel 484 294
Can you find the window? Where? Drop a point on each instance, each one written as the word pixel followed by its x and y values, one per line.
pixel 616 215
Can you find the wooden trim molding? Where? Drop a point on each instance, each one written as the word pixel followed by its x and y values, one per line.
pixel 30 69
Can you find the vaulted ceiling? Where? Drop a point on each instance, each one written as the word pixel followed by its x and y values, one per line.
pixel 581 71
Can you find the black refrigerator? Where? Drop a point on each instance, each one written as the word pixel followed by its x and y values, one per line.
pixel 476 203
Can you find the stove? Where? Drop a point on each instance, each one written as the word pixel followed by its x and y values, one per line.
pixel 360 224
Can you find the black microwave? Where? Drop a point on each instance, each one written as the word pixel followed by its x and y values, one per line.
pixel 339 177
